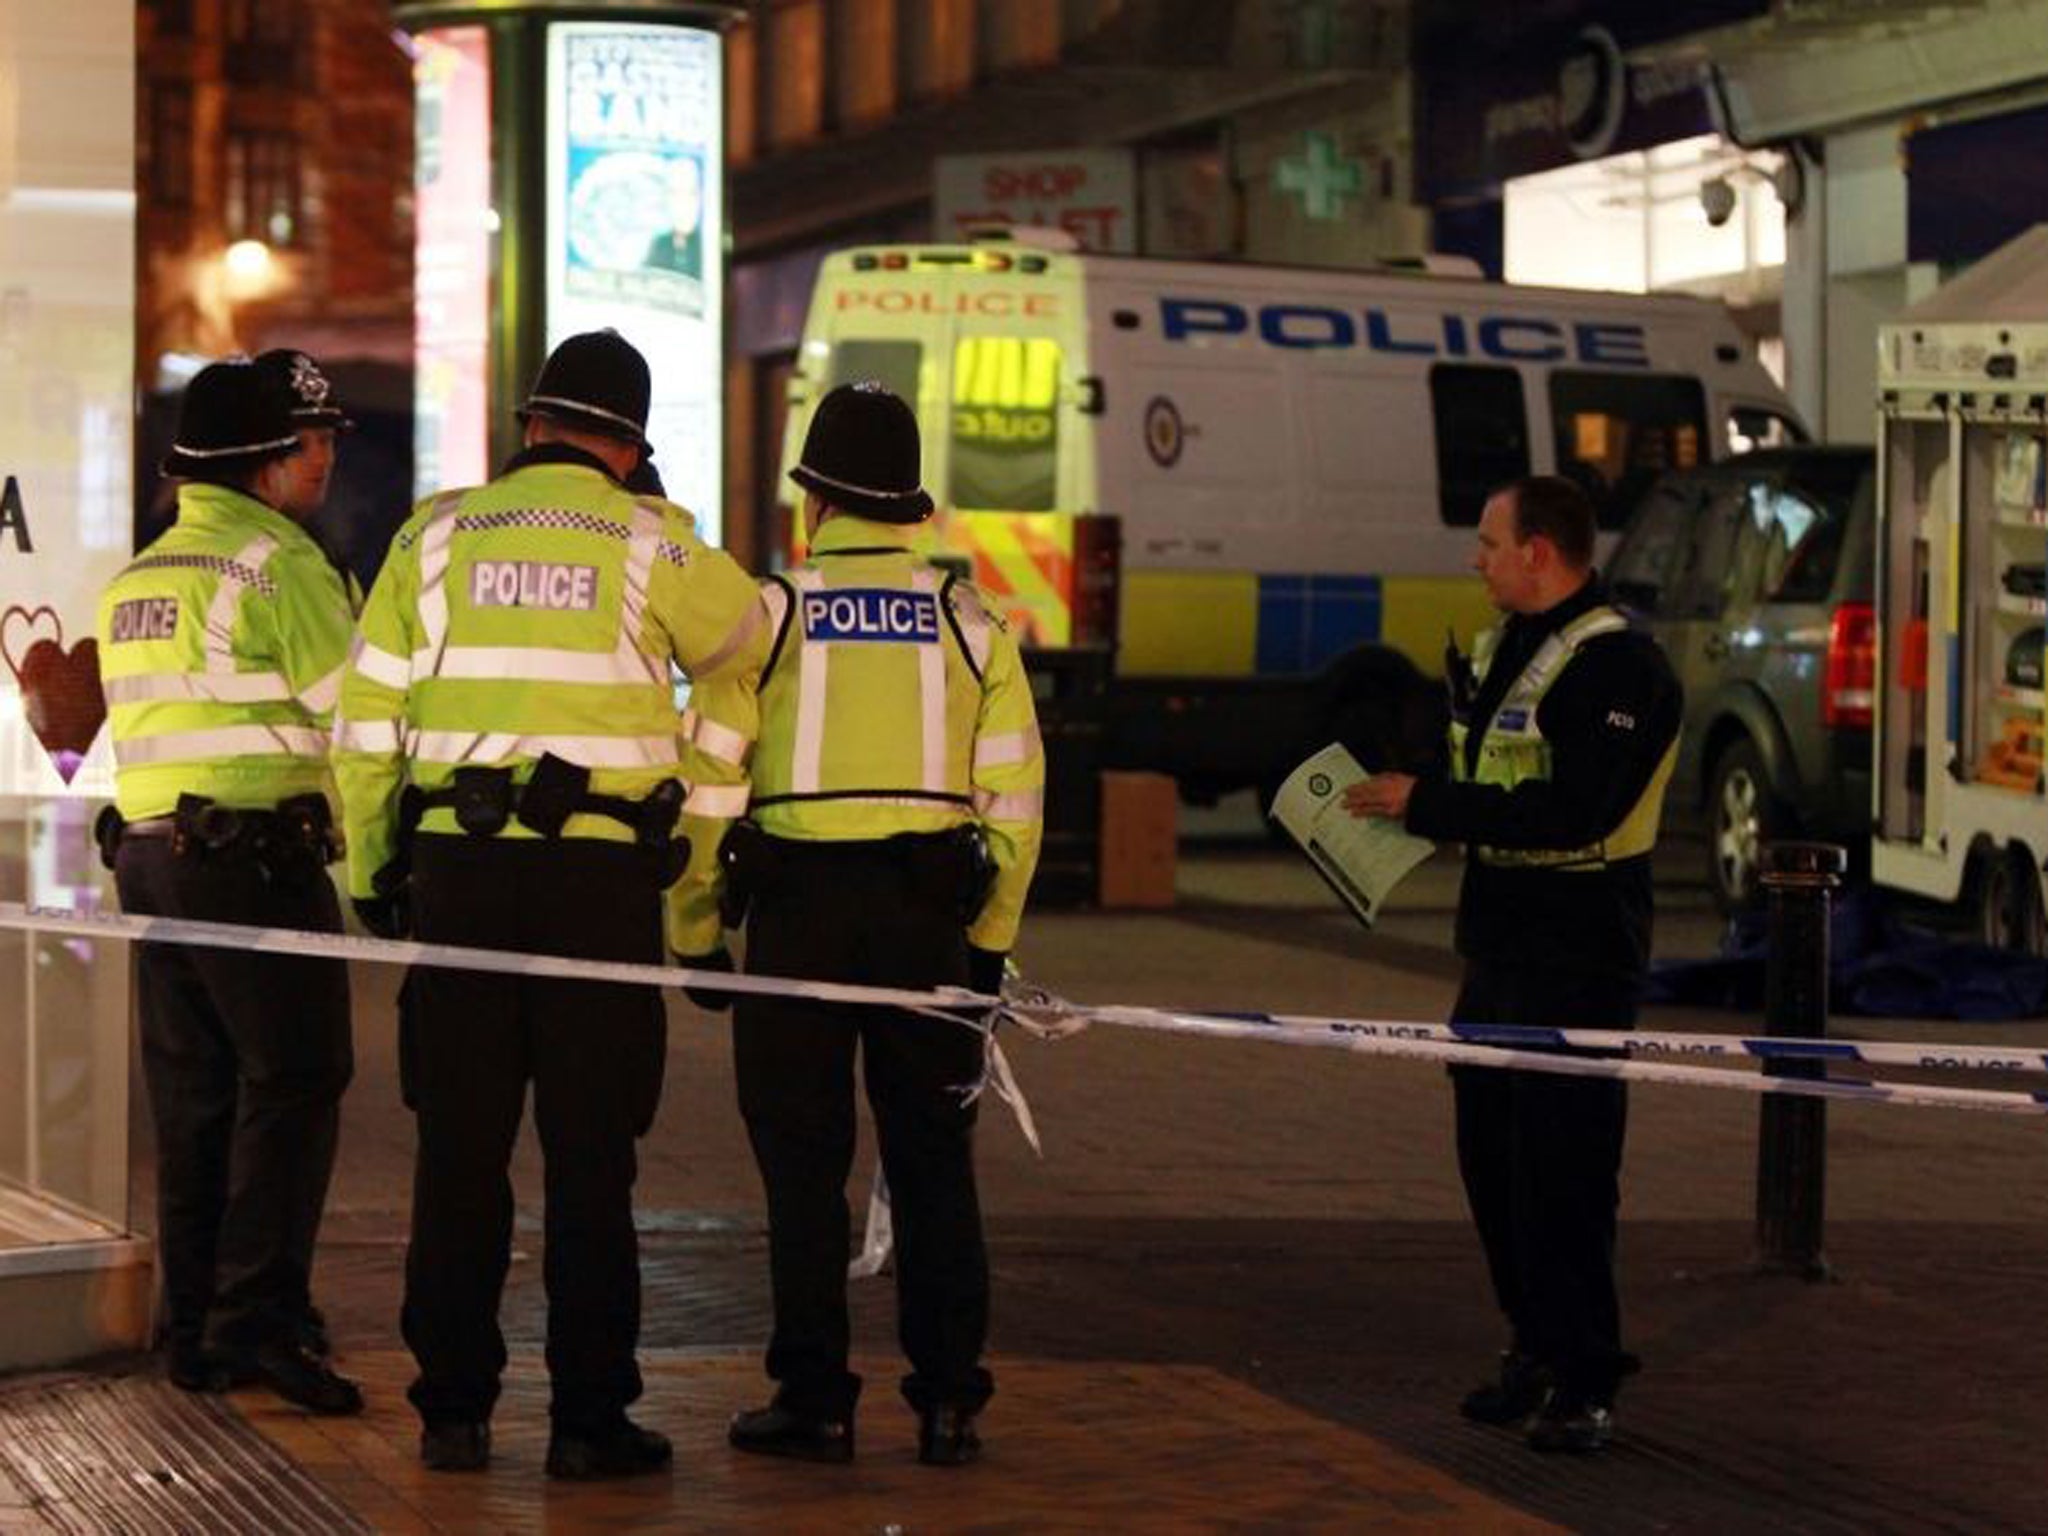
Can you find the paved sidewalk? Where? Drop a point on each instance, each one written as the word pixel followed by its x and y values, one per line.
pixel 1239 1293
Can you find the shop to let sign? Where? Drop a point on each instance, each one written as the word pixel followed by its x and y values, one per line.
pixel 1090 194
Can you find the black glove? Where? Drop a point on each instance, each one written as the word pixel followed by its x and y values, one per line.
pixel 388 916
pixel 711 1000
pixel 985 970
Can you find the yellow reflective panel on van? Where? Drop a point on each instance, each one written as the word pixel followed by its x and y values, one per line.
pixel 1188 624
pixel 1003 425
pixel 1418 612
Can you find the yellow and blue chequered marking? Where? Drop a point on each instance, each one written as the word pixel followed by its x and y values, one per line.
pixel 1240 623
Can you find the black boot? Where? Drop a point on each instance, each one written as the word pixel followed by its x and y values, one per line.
pixel 946 1437
pixel 624 1450
pixel 1572 1422
pixel 779 1431
pixel 298 1376
pixel 312 1333
pixel 455 1445
pixel 195 1369
pixel 1518 1393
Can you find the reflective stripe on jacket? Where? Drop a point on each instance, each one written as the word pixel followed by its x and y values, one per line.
pixel 542 613
pixel 1512 750
pixel 221 651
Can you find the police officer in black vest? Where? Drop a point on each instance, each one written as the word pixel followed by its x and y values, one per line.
pixel 1563 735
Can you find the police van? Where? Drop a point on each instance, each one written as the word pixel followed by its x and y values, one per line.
pixel 1257 486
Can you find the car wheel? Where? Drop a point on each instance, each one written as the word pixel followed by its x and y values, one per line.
pixel 1743 814
pixel 2009 910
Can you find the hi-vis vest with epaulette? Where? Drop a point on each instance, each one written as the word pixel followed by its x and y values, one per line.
pixel 894 702
pixel 536 615
pixel 1513 750
pixel 221 651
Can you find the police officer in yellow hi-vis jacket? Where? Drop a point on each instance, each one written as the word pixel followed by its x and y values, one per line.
pixel 898 783
pixel 511 767
pixel 221 652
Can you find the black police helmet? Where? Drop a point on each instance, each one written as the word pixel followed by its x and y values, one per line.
pixel 861 455
pixel 313 402
pixel 233 418
pixel 596 381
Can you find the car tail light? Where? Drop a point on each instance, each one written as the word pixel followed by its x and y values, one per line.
pixel 1847 695
pixel 1098 552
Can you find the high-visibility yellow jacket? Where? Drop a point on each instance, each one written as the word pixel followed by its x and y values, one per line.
pixel 542 613
pixel 221 651
pixel 895 701
pixel 1512 750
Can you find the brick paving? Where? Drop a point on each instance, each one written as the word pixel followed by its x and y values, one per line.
pixel 1285 1229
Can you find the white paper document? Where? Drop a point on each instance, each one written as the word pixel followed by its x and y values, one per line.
pixel 1362 857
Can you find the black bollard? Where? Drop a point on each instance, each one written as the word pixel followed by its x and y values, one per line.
pixel 1792 1132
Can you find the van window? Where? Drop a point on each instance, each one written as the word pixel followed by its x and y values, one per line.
pixel 1005 424
pixel 894 364
pixel 1482 437
pixel 1755 427
pixel 1617 432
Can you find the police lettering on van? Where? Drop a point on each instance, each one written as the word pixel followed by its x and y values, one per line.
pixel 1508 338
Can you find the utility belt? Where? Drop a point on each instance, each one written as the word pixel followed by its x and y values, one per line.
pixel 200 827
pixel 951 868
pixel 486 801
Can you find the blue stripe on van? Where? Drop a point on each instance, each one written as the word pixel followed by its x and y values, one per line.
pixel 1306 621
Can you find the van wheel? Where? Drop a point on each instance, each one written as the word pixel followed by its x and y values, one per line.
pixel 1743 814
pixel 2008 909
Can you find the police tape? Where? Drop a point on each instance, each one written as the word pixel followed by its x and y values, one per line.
pixel 943 1001
pixel 957 1005
pixel 1388 1038
pixel 1930 1056
pixel 1045 1014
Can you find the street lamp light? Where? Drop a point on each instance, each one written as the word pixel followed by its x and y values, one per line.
pixel 248 264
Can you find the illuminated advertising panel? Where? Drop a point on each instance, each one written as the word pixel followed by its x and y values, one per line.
pixel 67 381
pixel 636 225
pixel 452 258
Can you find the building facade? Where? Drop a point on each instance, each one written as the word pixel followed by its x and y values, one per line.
pixel 274 178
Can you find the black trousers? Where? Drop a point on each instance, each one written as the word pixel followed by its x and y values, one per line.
pixel 245 1057
pixel 1540 1154
pixel 469 1043
pixel 856 913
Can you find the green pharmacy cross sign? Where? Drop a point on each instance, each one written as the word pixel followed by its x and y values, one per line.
pixel 1323 177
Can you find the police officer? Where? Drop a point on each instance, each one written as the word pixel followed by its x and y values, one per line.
pixel 1563 734
pixel 897 798
pixel 221 652
pixel 511 767
pixel 320 421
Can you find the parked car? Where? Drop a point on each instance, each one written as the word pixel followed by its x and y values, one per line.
pixel 1757 574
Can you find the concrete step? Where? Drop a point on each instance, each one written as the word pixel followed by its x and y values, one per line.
pixel 71 1286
